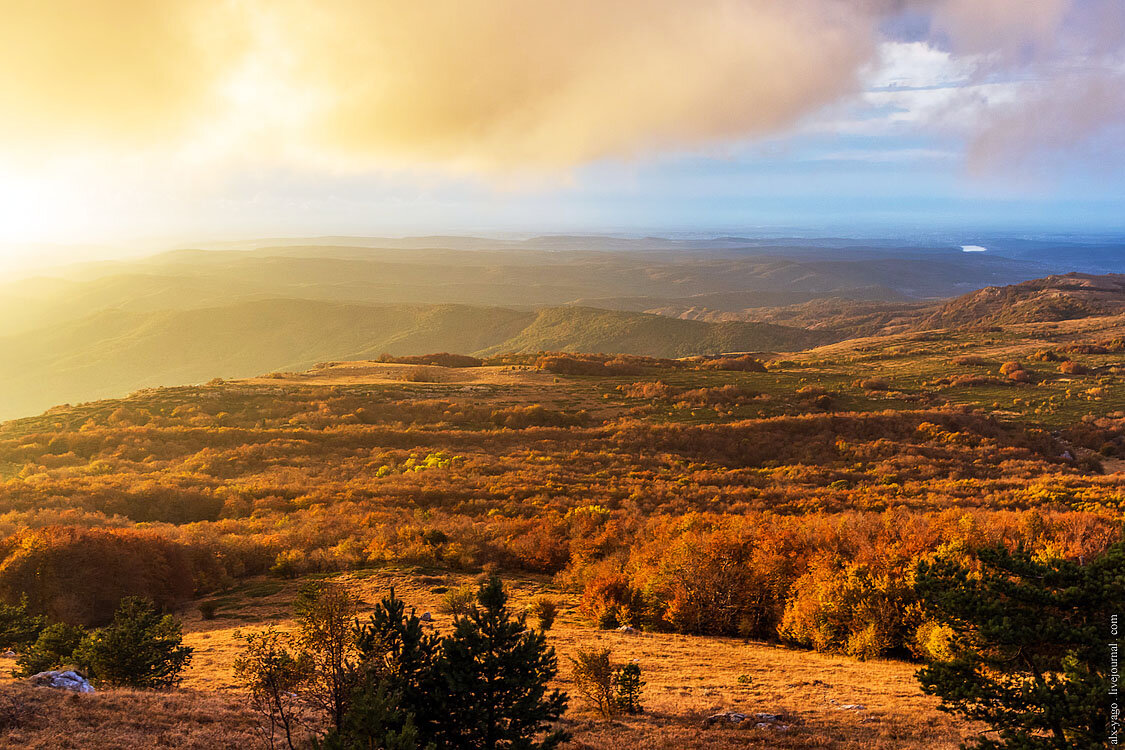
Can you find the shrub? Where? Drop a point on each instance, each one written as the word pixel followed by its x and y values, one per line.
pixel 850 609
pixel 273 675
pixel 441 359
pixel 723 394
pixel 207 609
pixel 609 601
pixel 325 614
pixel 458 601
pixel 520 417
pixel 54 647
pixel 1070 367
pixel 544 609
pixel 741 363
pixel 140 648
pixel 1009 367
pixel 932 641
pixel 650 390
pixel 874 384
pixel 289 563
pixel 1019 376
pixel 594 679
pixel 966 360
pixel 18 627
pixel 423 374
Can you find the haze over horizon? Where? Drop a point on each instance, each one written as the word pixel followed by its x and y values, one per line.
pixel 138 125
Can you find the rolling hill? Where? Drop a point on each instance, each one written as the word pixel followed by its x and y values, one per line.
pixel 1054 298
pixel 114 352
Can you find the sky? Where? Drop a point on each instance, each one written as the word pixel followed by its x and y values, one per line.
pixel 131 125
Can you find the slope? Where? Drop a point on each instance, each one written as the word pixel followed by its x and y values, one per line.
pixel 114 352
pixel 1054 298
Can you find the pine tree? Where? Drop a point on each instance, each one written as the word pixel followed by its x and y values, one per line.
pixel 54 647
pixel 375 720
pixel 496 673
pixel 140 648
pixel 396 704
pixel 1030 656
pixel 627 689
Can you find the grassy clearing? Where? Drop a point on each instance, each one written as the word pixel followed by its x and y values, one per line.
pixel 688 678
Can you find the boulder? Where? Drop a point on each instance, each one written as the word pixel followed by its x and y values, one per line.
pixel 628 630
pixel 725 717
pixel 426 617
pixel 62 680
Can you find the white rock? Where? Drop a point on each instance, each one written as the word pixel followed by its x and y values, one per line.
pixel 68 680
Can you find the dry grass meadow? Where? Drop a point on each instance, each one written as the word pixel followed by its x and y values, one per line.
pixel 826 701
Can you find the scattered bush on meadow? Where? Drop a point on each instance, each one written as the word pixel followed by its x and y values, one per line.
pixel 873 384
pixel 441 359
pixel 739 363
pixel 544 609
pixel 650 390
pixel 1070 367
pixel 593 670
pixel 972 360
pixel 1009 367
pixel 458 601
pixel 717 395
pixel 423 374
pixel 971 381
pixel 536 415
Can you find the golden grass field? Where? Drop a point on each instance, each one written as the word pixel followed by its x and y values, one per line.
pixel 688 678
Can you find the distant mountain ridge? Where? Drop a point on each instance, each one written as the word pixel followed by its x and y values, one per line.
pixel 114 352
pixel 103 329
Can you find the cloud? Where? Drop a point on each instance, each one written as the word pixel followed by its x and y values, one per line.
pixel 1063 63
pixel 78 73
pixel 557 82
pixel 507 84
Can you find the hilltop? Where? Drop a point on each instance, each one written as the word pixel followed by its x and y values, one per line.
pixel 1054 298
